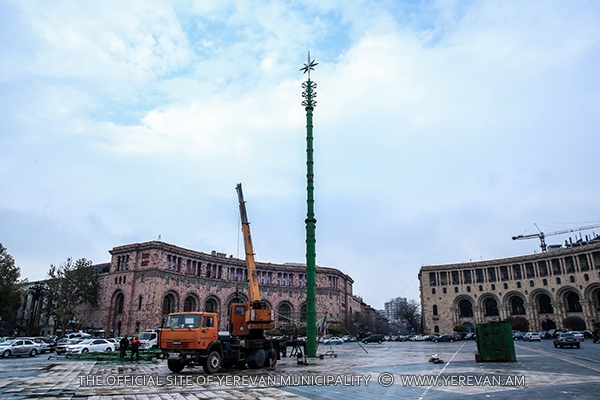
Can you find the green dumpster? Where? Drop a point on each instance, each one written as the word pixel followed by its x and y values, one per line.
pixel 495 342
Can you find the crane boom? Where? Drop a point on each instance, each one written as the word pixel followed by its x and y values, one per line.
pixel 541 235
pixel 254 291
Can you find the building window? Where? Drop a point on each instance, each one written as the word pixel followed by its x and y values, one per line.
pixel 586 277
pixel 468 288
pixel 436 329
pixel 432 290
pixel 491 308
pixel 456 290
pixel 573 304
pixel 435 310
pixel 432 280
pixel 481 288
pixel 465 308
pixel 493 286
pixel 557 280
pixel 479 275
pixel 491 274
pixel 531 283
pixel 444 290
pixel 517 306
pixel 467 276
pixel 572 278
pixel 545 282
pixel 139 303
pixel 517 271
pixel 505 285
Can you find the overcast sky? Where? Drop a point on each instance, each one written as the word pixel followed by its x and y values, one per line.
pixel 442 129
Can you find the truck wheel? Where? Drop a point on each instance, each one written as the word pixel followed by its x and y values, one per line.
pixel 175 366
pixel 213 363
pixel 272 358
pixel 258 359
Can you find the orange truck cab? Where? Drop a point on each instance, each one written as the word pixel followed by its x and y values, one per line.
pixel 193 338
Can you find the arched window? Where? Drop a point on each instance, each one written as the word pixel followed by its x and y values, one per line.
pixel 303 312
pixel 465 308
pixel 573 304
pixel 285 313
pixel 167 307
pixel 140 302
pixel 435 310
pixel 516 306
pixel 189 304
pixel 436 329
pixel 545 304
pixel 210 306
pixel 119 301
pixel 491 308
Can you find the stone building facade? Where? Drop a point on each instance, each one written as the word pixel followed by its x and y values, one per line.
pixel 146 281
pixel 545 289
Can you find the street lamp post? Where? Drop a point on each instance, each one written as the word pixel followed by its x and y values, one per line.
pixel 311 254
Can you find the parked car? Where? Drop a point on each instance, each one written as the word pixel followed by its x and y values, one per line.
pixel 18 347
pixel 445 338
pixel 333 340
pixel 430 338
pixel 90 346
pixel 517 335
pixel 374 339
pixel 61 347
pixel 115 342
pixel 348 338
pixel 44 346
pixel 567 339
pixel 531 336
pixel 578 335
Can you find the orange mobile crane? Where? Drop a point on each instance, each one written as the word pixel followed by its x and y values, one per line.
pixel 192 338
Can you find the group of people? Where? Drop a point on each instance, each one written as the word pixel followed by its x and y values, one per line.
pixel 134 346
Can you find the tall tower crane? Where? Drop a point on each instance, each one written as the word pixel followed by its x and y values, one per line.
pixel 543 235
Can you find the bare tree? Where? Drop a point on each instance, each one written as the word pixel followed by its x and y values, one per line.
pixel 410 311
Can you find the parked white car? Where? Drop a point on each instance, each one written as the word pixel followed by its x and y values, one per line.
pixel 90 346
pixel 333 340
pixel 18 348
pixel 578 335
pixel 531 336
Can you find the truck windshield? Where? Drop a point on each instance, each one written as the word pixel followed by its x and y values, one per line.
pixel 183 321
pixel 144 336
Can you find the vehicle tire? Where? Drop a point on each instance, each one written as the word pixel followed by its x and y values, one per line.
pixel 578 345
pixel 108 350
pixel 451 340
pixel 272 358
pixel 83 351
pixel 379 342
pixel 6 354
pixel 555 345
pixel 258 359
pixel 212 363
pixel 33 353
pixel 175 366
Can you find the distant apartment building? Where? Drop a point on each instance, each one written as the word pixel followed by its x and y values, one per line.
pixel 547 290
pixel 393 307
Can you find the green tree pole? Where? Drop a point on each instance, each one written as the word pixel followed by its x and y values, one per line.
pixel 311 254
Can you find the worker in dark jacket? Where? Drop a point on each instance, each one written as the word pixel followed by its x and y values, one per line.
pixel 123 346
